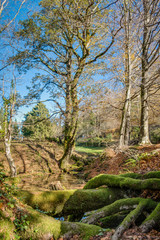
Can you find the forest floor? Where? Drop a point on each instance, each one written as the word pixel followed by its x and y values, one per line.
pixel 138 159
pixel 37 167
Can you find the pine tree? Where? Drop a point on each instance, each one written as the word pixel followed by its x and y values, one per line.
pixel 37 124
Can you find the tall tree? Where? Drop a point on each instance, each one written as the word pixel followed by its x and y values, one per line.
pixel 9 108
pixel 125 123
pixel 149 56
pixel 37 124
pixel 65 38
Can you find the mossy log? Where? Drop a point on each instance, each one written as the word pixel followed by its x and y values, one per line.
pixel 63 203
pixel 152 174
pixel 119 181
pixel 44 227
pixel 120 196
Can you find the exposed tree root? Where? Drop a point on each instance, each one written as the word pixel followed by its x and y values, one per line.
pixel 118 201
pixel 152 220
pixel 130 218
pixel 148 175
pixel 123 182
pixel 45 227
pixel 118 206
pixel 68 202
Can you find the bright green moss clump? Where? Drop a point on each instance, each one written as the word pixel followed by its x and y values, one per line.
pixel 40 225
pixel 84 230
pixel 6 229
pixel 123 182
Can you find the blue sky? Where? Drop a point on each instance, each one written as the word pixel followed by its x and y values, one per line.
pixel 23 80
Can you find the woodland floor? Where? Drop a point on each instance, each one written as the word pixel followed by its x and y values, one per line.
pixel 37 168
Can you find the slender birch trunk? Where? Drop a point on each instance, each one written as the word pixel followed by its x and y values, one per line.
pixel 9 105
pixel 7 142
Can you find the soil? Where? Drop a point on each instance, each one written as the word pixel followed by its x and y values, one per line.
pixel 37 167
pixel 138 159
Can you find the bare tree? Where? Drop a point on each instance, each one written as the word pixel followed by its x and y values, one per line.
pixel 149 56
pixel 3 5
pixel 125 123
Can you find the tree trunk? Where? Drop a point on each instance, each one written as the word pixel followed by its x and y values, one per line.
pixel 125 124
pixel 144 128
pixel 9 158
pixel 71 120
pixel 71 113
pixel 66 202
pixel 7 142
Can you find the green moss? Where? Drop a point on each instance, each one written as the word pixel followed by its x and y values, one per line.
pixel 132 175
pixel 118 206
pixel 86 200
pixel 84 230
pixel 6 229
pixel 70 201
pixel 122 182
pixel 51 201
pixel 112 221
pixel 40 225
pixel 155 215
pixel 153 174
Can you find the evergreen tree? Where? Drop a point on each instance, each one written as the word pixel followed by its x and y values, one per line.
pixel 15 131
pixel 37 124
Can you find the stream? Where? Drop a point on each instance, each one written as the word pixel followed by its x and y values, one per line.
pixel 43 182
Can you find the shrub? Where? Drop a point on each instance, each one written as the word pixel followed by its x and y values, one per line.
pixel 155 135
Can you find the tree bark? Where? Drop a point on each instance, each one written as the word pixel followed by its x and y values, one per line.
pixel 144 127
pixel 71 116
pixel 7 141
pixel 125 123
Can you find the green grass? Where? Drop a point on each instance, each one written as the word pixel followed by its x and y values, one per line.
pixel 89 150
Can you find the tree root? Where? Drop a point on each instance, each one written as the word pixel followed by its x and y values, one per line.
pixel 123 182
pixel 152 220
pixel 45 227
pixel 152 174
pixel 129 219
pixel 67 202
pixel 118 206
pixel 120 197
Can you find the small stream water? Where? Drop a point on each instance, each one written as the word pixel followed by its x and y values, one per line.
pixel 42 182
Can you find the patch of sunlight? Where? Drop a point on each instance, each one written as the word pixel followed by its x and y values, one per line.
pixel 89 150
